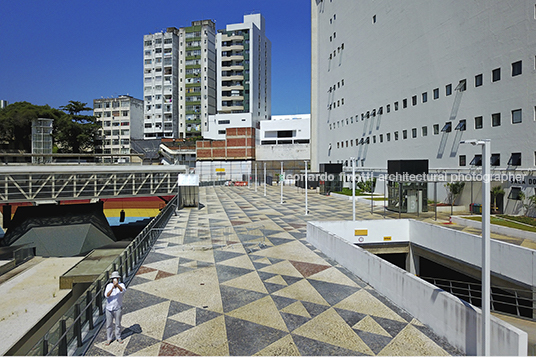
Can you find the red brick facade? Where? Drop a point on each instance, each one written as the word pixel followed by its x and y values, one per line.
pixel 239 144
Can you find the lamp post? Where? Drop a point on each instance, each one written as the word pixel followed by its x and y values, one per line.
pixel 486 243
pixel 305 187
pixel 353 187
pixel 265 179
pixel 281 182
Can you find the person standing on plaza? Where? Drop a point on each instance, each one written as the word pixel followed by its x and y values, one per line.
pixel 114 293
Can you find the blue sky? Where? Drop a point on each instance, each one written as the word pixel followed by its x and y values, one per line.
pixel 54 51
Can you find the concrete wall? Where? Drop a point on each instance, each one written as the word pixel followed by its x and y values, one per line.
pixel 447 315
pixel 282 152
pixel 512 232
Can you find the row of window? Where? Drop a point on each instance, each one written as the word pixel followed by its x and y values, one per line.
pixel 447 128
pixel 495 160
pixel 114 104
pixel 108 114
pixel 516 118
pixel 517 69
pixel 115 132
pixel 110 123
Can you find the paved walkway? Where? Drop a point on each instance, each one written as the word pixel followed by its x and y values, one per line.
pixel 238 277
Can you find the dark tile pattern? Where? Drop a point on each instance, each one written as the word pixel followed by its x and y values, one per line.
pixel 239 260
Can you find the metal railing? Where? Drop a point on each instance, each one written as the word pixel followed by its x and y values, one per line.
pixel 516 302
pixel 22 254
pixel 75 330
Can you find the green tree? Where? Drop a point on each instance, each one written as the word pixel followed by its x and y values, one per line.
pixel 496 191
pixel 454 189
pixel 16 124
pixel 74 131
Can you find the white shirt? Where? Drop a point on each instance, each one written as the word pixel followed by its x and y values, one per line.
pixel 115 300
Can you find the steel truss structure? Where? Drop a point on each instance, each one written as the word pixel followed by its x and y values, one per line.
pixel 74 182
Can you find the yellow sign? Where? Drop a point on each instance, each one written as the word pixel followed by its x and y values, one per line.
pixel 220 170
pixel 361 232
pixel 387 238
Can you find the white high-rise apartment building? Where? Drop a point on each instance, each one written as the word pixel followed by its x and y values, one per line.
pixel 243 77
pixel 121 120
pixel 409 80
pixel 179 80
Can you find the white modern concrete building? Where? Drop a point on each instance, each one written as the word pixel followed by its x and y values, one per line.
pixel 179 80
pixel 396 80
pixel 285 137
pixel 121 120
pixel 3 103
pixel 243 77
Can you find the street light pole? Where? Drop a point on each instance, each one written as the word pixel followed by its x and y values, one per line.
pixel 353 187
pixel 265 179
pixel 486 243
pixel 305 187
pixel 281 182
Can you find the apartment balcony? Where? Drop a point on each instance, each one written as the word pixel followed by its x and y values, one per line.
pixel 232 97
pixel 233 109
pixel 233 47
pixel 234 67
pixel 225 37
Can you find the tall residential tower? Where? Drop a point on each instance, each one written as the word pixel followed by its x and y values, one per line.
pixel 179 80
pixel 243 77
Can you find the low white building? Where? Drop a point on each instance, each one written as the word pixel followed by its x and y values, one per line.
pixel 285 137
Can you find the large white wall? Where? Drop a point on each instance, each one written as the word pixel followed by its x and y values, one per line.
pixel 392 50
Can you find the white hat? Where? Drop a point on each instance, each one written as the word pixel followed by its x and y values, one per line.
pixel 115 274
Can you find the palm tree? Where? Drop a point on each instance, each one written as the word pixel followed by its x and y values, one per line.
pixel 496 191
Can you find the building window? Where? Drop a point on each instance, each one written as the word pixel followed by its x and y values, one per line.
pixel 381 141
pixel 448 89
pixel 424 131
pixel 461 125
pixel 404 103
pixel 396 135
pixel 478 123
pixel 477 160
pixel 515 193
pixel 496 75
pixel 516 68
pixel 495 160
pixel 374 19
pixel 222 132
pixel 404 134
pixel 447 128
pixel 462 160
pixel 389 108
pixel 414 100
pixel 436 129
pixel 436 93
pixel 516 116
pixel 425 97
pixel 515 159
pixel 496 119
pixel 414 132
pixel 388 136
pixel 396 105
pixel 478 80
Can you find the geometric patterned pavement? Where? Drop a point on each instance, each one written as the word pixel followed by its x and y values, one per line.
pixel 243 280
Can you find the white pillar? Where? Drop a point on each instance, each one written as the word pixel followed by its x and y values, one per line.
pixel 306 187
pixel 281 179
pixel 353 188
pixel 486 279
